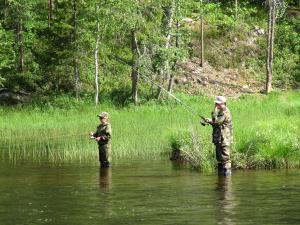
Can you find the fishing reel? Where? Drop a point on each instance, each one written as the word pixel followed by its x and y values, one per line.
pixel 203 123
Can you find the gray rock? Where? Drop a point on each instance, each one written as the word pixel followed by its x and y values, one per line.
pixel 261 31
pixel 245 88
pixel 187 20
pixel 10 97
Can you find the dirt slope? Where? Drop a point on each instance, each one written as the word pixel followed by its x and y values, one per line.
pixel 209 81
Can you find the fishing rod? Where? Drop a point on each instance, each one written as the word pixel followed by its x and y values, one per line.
pixel 62 136
pixel 186 106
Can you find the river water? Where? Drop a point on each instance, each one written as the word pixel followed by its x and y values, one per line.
pixel 145 192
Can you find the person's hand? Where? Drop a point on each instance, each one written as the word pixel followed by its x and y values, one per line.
pixel 98 138
pixel 208 120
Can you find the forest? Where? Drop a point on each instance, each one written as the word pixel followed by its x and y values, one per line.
pixel 129 50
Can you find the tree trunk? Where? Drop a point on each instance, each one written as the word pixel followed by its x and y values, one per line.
pixel 236 9
pixel 97 63
pixel 159 90
pixel 20 44
pixel 153 75
pixel 135 67
pixel 75 61
pixel 50 12
pixel 171 80
pixel 169 12
pixel 202 37
pixel 5 11
pixel 165 71
pixel 50 69
pixel 76 77
pixel 270 51
pixel 202 42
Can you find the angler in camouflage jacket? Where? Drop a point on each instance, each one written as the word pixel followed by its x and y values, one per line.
pixel 222 134
pixel 103 137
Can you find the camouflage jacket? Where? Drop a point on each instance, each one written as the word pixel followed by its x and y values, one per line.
pixel 222 127
pixel 104 131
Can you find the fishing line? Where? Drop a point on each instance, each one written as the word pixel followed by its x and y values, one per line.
pixel 186 106
pixel 44 138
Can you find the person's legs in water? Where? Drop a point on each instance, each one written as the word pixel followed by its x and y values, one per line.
pixel 223 158
pixel 104 156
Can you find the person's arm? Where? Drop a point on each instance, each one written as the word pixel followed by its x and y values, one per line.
pixel 94 135
pixel 223 119
pixel 212 120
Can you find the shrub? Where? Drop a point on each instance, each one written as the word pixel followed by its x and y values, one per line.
pixel 198 153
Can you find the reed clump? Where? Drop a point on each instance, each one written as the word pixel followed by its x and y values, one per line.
pixel 193 149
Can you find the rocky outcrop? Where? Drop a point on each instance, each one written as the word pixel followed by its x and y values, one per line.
pixel 10 97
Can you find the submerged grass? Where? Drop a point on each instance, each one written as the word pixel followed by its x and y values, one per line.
pixel 266 131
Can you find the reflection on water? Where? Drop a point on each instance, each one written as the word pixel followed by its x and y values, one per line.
pixel 105 179
pixel 225 200
pixel 105 203
pixel 145 192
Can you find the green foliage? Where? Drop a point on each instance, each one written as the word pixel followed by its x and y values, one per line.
pixel 287 52
pixel 52 47
pixel 7 55
pixel 193 149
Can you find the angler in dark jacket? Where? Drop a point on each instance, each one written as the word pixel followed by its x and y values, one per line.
pixel 103 137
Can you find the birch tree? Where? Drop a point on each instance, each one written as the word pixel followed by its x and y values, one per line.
pixel 167 31
pixel 236 8
pixel 275 8
pixel 50 12
pixel 75 60
pixel 202 33
pixel 97 55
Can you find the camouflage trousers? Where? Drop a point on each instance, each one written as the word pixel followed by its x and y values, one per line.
pixel 104 155
pixel 223 156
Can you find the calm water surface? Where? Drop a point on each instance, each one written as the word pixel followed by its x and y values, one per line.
pixel 145 193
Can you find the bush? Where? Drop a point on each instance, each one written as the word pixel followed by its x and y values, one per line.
pixel 198 153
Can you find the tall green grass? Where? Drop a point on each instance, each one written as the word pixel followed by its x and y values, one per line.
pixel 266 134
pixel 266 131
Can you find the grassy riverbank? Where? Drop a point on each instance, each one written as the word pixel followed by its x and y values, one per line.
pixel 266 131
pixel 266 134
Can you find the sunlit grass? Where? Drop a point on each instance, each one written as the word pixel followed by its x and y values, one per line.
pixel 266 131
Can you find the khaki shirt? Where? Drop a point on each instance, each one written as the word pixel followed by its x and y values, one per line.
pixel 222 127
